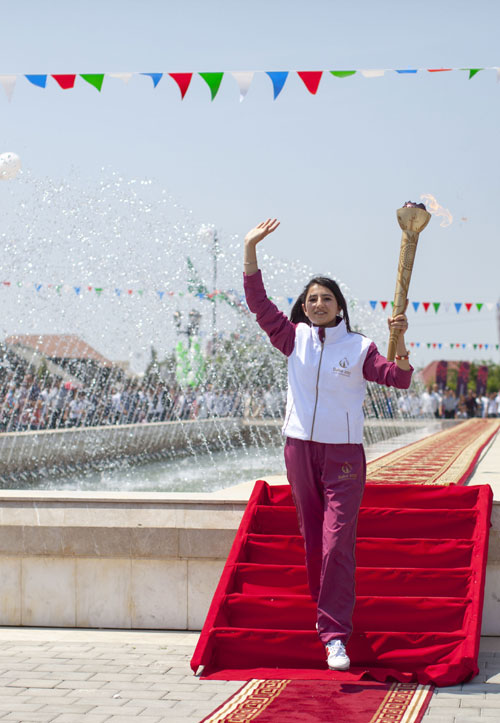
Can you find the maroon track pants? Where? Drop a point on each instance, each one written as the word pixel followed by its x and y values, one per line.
pixel 327 482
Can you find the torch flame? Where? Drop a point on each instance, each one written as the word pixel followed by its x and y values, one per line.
pixel 436 209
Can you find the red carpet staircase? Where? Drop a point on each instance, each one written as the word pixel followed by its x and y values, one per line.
pixel 421 555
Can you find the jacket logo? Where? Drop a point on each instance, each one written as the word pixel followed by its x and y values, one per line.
pixel 342 368
pixel 346 468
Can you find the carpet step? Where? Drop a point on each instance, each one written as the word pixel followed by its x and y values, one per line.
pixel 256 579
pixel 370 552
pixel 298 612
pixel 440 523
pixel 236 648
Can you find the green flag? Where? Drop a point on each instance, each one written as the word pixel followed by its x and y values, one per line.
pixel 94 79
pixel 436 305
pixel 342 73
pixel 213 80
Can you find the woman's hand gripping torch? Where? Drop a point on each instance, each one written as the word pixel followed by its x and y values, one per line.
pixel 412 218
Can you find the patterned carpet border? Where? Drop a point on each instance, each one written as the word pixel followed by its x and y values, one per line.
pixel 444 458
pixel 399 703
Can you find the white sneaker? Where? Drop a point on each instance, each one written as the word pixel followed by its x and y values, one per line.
pixel 337 657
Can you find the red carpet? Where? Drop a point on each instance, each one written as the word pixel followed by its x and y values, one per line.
pixel 297 701
pixel 421 554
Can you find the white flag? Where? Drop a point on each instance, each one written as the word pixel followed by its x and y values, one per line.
pixel 121 76
pixel 244 79
pixel 372 73
pixel 9 83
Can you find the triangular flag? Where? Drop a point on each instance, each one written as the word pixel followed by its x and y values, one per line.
pixel 65 81
pixel 372 73
pixel 486 346
pixel 311 79
pixel 446 305
pixel 290 299
pixel 95 79
pixel 383 304
pixel 468 306
pixel 412 343
pixel 244 79
pixel 121 76
pixel 392 304
pixel 130 292
pixel 183 80
pixel 9 83
pixel 418 345
pixel 410 70
pixel 473 71
pixel 98 290
pixel 464 346
pixel 373 304
pixel 342 73
pixel 38 286
pixel 415 304
pixel 39 80
pixel 458 305
pixel 140 292
pixel 434 344
pixel 452 345
pixel 155 77
pixel 496 346
pixel 118 292
pixel 475 346
pixel 436 305
pixel 489 305
pixel 426 305
pixel 279 79
pixel 438 70
pixel 77 289
pixel 160 294
pixel 213 80
pixel 479 307
pixel 440 345
pixel 6 283
pixel 428 345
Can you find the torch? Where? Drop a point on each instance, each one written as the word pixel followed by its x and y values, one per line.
pixel 412 218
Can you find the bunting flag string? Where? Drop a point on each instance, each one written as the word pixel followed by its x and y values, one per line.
pixel 456 307
pixel 449 345
pixel 310 78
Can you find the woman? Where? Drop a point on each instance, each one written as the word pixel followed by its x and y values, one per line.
pixel 328 367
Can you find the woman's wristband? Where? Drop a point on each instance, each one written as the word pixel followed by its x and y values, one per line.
pixel 402 357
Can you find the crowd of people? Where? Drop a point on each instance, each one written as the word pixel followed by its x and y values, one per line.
pixel 31 404
pixel 446 404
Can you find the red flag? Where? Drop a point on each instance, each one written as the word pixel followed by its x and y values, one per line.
pixel 426 305
pixel 383 304
pixel 65 81
pixel 468 306
pixel 311 79
pixel 183 80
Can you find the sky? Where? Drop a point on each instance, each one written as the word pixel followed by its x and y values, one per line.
pixel 333 167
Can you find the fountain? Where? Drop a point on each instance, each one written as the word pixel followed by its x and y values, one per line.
pixel 194 395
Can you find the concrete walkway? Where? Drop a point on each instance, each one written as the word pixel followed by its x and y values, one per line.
pixel 102 676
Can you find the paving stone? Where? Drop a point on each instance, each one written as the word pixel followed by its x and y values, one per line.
pixel 89 718
pixel 117 712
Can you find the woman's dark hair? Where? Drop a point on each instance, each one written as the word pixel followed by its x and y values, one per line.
pixel 297 313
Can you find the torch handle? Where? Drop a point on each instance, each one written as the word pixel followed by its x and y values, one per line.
pixel 409 240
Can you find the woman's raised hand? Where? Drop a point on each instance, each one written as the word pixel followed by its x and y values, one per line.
pixel 261 231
